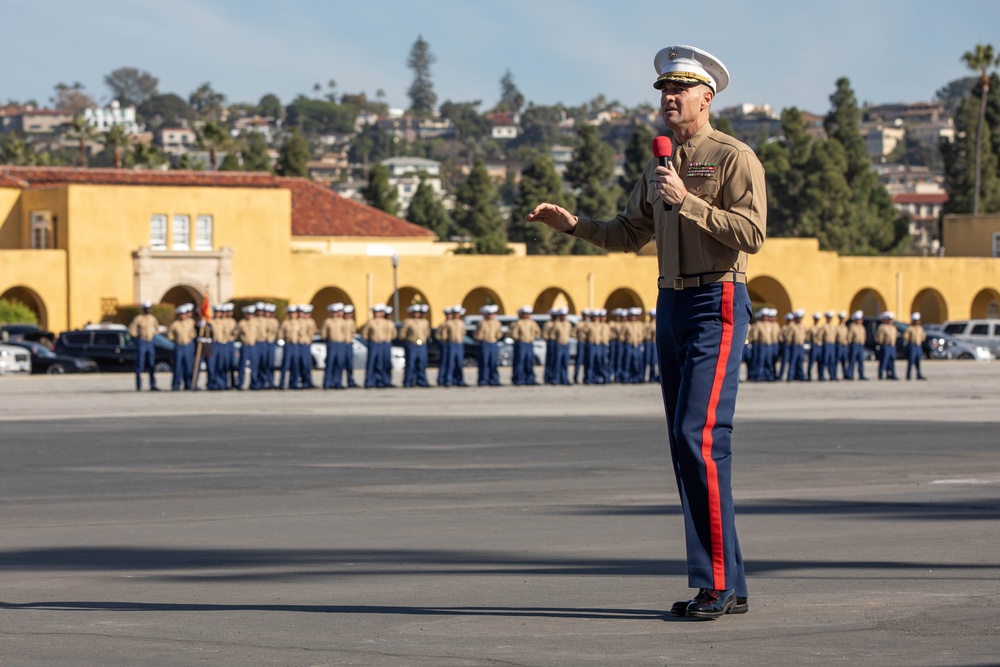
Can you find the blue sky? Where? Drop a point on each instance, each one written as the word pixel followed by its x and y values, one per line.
pixel 779 52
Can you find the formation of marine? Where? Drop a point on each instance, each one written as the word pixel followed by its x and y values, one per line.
pixel 833 348
pixel 244 354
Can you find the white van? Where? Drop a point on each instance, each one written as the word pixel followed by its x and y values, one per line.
pixel 976 332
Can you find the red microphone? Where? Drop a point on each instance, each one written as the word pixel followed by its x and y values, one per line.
pixel 663 150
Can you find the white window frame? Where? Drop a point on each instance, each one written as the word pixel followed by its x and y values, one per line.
pixel 203 232
pixel 181 232
pixel 41 230
pixel 158 231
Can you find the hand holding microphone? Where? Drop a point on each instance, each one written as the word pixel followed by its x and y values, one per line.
pixel 675 191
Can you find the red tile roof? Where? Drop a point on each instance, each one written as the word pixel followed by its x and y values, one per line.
pixel 53 176
pixel 914 198
pixel 316 211
pixel 319 211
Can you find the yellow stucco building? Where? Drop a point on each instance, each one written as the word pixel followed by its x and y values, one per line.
pixel 77 243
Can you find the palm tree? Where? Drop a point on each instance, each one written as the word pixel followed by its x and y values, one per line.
pixel 213 137
pixel 982 60
pixel 115 139
pixel 84 132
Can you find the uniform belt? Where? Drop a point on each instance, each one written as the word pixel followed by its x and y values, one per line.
pixel 702 279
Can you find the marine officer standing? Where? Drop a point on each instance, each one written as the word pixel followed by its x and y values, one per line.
pixel 488 332
pixel 914 338
pixel 142 329
pixel 856 338
pixel 706 211
pixel 182 334
pixel 415 334
pixel 524 332
pixel 885 339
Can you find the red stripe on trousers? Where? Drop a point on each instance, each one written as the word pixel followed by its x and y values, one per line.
pixel 711 473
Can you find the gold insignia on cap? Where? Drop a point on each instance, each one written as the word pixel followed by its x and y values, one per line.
pixel 672 55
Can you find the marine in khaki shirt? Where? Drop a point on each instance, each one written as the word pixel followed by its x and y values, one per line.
pixel 182 331
pixel 144 326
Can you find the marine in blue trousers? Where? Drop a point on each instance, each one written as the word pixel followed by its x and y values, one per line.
pixel 706 209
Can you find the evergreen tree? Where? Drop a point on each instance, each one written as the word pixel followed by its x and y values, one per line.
pixel 255 155
pixel 511 99
pixel 785 163
pixel 638 153
pixel 270 106
pixel 131 86
pixel 423 100
pixel 231 162
pixel 872 218
pixel 960 156
pixel 293 156
pixel 477 214
pixel 427 211
pixel 590 174
pixel 379 193
pixel 540 182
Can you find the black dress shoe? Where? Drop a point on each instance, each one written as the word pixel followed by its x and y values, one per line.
pixel 710 604
pixel 741 606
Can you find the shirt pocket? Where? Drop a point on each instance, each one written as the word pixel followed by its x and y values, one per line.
pixel 705 189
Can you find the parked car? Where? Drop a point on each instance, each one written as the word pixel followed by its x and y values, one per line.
pixel 16 331
pixel 360 345
pixel 976 332
pixel 45 361
pixel 14 359
pixel 940 345
pixel 112 348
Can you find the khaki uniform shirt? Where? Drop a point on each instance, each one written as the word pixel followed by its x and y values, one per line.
pixel 288 331
pixel 650 331
pixel 581 332
pixel 270 326
pixel 305 331
pixel 914 335
pixel 856 334
pixel 886 334
pixel 722 219
pixel 524 331
pixel 144 326
pixel 842 334
pixel 416 331
pixel 379 330
pixel 488 331
pixel 797 334
pixel 633 333
pixel 817 334
pixel 182 332
pixel 246 331
pixel 559 332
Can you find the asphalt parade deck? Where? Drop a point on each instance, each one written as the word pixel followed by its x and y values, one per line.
pixel 491 526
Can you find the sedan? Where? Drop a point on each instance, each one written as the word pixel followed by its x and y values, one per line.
pixel 14 359
pixel 940 345
pixel 44 360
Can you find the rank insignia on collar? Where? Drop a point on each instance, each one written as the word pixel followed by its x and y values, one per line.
pixel 696 169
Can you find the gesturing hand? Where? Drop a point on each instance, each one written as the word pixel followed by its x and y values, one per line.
pixel 554 216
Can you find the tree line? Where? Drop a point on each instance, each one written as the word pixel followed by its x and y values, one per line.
pixel 821 187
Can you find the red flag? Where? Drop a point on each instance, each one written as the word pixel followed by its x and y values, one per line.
pixel 206 307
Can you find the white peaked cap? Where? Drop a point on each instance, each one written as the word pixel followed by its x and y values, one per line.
pixel 690 65
pixel 915 316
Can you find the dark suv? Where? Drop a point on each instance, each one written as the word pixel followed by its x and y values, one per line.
pixel 112 349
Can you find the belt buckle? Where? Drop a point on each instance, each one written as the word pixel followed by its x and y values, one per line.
pixel 678 283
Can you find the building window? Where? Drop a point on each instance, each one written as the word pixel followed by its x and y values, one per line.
pixel 41 230
pixel 182 232
pixel 158 232
pixel 203 232
pixel 996 244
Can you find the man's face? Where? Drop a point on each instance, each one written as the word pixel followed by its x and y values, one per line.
pixel 682 104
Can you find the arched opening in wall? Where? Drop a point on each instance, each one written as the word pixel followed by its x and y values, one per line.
pixel 986 304
pixel 766 291
pixel 324 298
pixel 551 298
pixel 623 297
pixel 869 302
pixel 179 294
pixel 482 296
pixel 407 297
pixel 931 306
pixel 30 299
